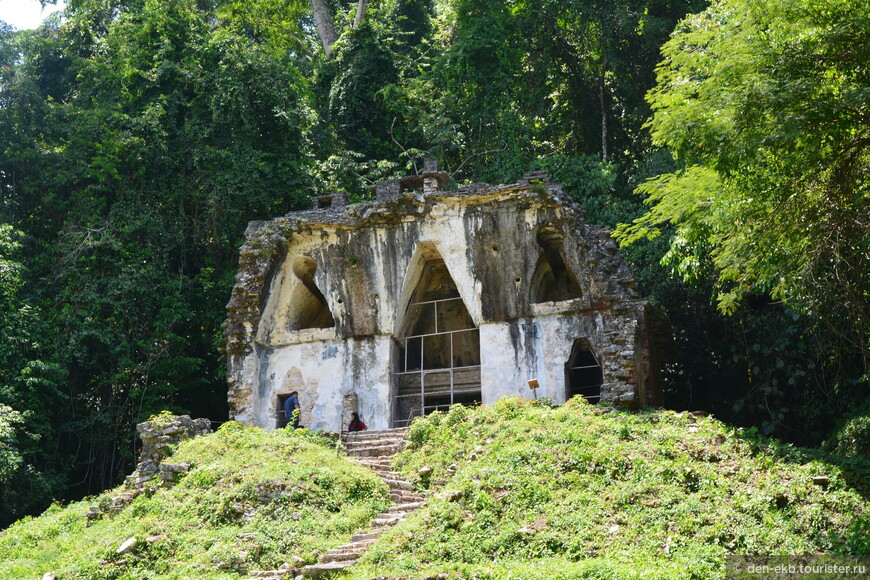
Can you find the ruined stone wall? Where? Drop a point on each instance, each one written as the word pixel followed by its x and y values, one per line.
pixel 158 437
pixel 325 373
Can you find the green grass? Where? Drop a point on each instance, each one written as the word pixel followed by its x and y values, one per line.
pixel 522 490
pixel 251 500
pixel 517 490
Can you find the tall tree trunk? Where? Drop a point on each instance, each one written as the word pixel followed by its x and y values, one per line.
pixel 360 13
pixel 325 25
pixel 603 102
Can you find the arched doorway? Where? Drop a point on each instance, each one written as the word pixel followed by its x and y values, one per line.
pixel 437 351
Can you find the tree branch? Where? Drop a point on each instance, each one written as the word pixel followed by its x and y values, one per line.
pixel 473 155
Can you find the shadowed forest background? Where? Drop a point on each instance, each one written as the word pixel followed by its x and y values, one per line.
pixel 138 138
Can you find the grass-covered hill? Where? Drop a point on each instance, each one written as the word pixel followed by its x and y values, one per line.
pixel 516 490
pixel 251 500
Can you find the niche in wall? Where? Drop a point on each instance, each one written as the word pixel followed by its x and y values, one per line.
pixel 553 281
pixel 307 306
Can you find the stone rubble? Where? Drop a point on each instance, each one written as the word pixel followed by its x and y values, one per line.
pixel 157 439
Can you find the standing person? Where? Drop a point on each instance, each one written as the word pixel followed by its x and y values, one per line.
pixel 356 423
pixel 292 410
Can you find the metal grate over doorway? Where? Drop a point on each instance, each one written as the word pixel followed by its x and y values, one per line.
pixel 583 372
pixel 439 362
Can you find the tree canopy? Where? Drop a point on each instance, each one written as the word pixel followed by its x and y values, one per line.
pixel 136 147
pixel 766 106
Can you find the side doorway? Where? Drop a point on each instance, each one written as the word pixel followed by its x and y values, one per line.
pixel 583 374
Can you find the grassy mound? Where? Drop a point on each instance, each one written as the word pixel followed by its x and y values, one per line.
pixel 525 491
pixel 518 490
pixel 251 500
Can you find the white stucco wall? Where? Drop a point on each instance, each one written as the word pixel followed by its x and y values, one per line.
pixel 512 353
pixel 323 372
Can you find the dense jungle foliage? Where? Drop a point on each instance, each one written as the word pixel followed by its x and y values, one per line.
pixel 138 137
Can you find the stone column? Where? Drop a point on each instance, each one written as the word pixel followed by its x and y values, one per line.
pixel 430 182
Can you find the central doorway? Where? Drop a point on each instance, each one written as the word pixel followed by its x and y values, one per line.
pixel 437 351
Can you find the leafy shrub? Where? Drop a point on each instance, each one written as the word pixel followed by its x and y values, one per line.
pixel 853 438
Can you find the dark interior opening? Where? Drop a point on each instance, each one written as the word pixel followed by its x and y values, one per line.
pixel 583 373
pixel 279 412
pixel 308 304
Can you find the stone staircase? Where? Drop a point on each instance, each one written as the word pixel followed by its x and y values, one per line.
pixel 375 450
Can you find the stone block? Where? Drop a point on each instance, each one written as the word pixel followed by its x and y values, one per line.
pixel 388 190
pixel 127 546
pixel 430 185
pixel 430 164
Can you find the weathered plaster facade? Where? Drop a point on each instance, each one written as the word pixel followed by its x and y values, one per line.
pixel 325 299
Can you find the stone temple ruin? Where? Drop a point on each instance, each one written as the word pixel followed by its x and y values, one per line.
pixel 424 298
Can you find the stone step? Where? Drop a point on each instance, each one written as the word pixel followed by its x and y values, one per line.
pixel 376 463
pixel 389 517
pixel 384 521
pixel 404 507
pixel 270 574
pixel 324 570
pixel 372 452
pixel 343 556
pixel 405 496
pixel 414 498
pixel 398 484
pixel 354 545
pixel 388 520
pixel 360 435
pixel 357 435
pixel 386 473
pixel 382 461
pixel 365 537
pixel 397 446
pixel 388 451
pixel 373 441
pixel 376 444
pixel 378 441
